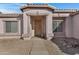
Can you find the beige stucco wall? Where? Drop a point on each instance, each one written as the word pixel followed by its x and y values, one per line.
pixel 2 28
pixel 68 27
pixel 72 26
pixel 75 24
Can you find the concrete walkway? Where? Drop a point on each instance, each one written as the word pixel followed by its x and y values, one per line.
pixel 35 46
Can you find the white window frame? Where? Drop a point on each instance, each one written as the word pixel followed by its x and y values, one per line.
pixel 10 33
pixel 58 20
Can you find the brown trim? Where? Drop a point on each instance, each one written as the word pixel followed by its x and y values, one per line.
pixel 64 12
pixel 38 7
pixel 74 13
pixel 10 15
pixel 58 18
pixel 10 35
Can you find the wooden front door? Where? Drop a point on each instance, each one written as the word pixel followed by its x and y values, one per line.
pixel 38 27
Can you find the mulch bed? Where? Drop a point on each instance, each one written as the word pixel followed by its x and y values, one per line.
pixel 67 45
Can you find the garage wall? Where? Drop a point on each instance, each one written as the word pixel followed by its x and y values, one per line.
pixel 68 27
pixel 76 26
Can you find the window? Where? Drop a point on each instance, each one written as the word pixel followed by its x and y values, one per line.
pixel 57 25
pixel 11 26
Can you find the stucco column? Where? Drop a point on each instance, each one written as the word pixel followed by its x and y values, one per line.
pixel 49 27
pixel 29 27
pixel 27 30
pixel 25 25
